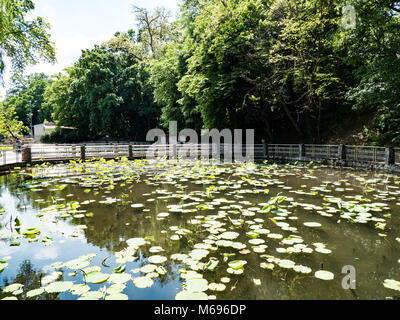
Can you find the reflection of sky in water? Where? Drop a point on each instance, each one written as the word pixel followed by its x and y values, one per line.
pixel 63 249
pixel 111 225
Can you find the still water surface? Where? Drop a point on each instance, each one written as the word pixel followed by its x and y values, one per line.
pixel 76 209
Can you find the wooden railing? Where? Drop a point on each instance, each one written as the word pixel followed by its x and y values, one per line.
pixel 342 153
pixel 286 152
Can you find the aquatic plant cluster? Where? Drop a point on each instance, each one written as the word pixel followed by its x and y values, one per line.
pixel 197 230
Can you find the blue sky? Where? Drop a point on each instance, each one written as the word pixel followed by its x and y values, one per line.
pixel 80 24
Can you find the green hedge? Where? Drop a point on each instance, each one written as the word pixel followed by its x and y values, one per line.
pixel 60 135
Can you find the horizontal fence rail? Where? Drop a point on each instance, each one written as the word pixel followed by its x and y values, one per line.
pixel 342 154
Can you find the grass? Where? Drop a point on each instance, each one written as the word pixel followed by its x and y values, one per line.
pixel 6 148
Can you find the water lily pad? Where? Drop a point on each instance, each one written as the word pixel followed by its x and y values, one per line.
pixel 323 250
pixel 312 224
pixel 392 284
pixel 143 282
pixel 59 286
pixel 188 295
pixel 120 269
pixel 216 286
pixel 196 285
pixel 97 277
pixel 229 235
pixel 324 275
pixel 80 289
pixel 13 287
pixel 225 280
pixel 148 268
pixel 137 205
pixel 35 292
pixel 211 264
pixel 256 241
pixel 116 296
pixel 136 242
pixel 234 271
pixel 157 259
pixel 119 278
pixel 237 264
pixel 77 264
pixel 302 269
pixel 156 249
pixel 115 288
pixel 199 254
pixel 92 295
pixel 287 264
pixel 3 265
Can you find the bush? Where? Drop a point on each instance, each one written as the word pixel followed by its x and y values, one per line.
pixel 60 135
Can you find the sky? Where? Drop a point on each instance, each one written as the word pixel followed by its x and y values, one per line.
pixel 80 24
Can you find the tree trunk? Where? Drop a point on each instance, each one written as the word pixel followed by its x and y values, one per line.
pixel 293 121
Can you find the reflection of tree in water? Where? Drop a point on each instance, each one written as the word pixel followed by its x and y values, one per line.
pixel 30 278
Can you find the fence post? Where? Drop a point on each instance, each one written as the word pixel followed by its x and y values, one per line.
pixel 174 151
pixel 83 153
pixel 130 152
pixel 115 150
pixel 27 154
pixel 302 151
pixel 265 150
pixel 389 156
pixel 342 152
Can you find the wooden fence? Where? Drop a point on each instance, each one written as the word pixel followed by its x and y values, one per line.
pixel 344 154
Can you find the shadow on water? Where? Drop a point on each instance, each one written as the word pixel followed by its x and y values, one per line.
pixel 80 213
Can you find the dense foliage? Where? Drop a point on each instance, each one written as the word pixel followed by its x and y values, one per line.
pixel 21 40
pixel 293 70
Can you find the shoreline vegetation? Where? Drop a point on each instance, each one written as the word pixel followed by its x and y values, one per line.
pixel 295 72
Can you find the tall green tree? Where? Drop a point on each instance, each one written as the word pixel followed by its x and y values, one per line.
pixel 22 41
pixel 10 126
pixel 108 96
pixel 373 48
pixel 26 96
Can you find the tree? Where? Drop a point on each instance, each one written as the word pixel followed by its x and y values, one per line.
pixel 108 95
pixel 373 47
pixel 221 34
pixel 10 126
pixel 308 79
pixel 166 72
pixel 24 42
pixel 27 96
pixel 154 29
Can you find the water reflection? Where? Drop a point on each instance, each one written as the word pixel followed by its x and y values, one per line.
pixel 30 278
pixel 73 211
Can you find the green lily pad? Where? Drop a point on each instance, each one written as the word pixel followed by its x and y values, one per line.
pixel 59 286
pixel 237 264
pixel 324 275
pixel 157 259
pixel 119 278
pixel 312 224
pixel 80 289
pixel 97 277
pixel 392 284
pixel 196 285
pixel 120 269
pixel 188 295
pixel 198 254
pixel 229 235
pixel 116 296
pixel 136 242
pixel 91 295
pixel 143 282
pixel 35 292
pixel 13 287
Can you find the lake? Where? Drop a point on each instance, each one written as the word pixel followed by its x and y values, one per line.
pixel 170 229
